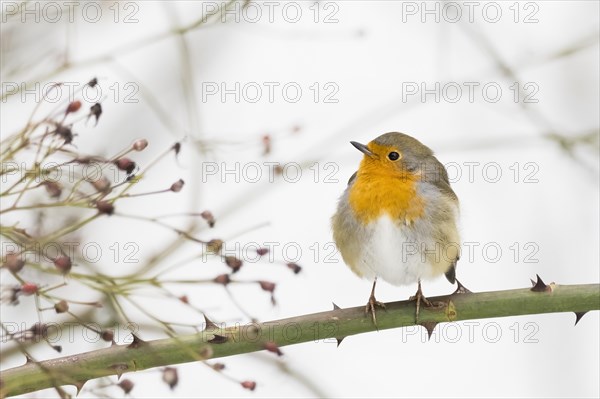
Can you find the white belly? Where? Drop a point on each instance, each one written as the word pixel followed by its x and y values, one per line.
pixel 395 253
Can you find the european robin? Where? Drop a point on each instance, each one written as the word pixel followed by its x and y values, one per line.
pixel 397 219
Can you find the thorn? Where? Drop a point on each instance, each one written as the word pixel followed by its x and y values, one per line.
pixel 578 316
pixel 273 348
pixel 209 324
pixel 540 286
pixel 79 385
pixel 339 341
pixel 335 307
pixel 119 368
pixel 461 289
pixel 136 343
pixel 218 339
pixel 429 326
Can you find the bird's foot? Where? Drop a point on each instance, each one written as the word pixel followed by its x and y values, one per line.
pixel 419 298
pixel 371 307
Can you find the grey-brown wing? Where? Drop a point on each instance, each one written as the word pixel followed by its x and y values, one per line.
pixel 351 179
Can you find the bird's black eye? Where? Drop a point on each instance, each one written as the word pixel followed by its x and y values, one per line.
pixel 393 156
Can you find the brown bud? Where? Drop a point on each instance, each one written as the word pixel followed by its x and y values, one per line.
pixel 267 286
pixel 65 133
pixel 61 306
pixel 294 267
pixel 251 385
pixel 39 330
pixel 126 385
pixel 234 263
pixel 29 288
pixel 107 335
pixel 53 188
pixel 208 216
pixel 96 111
pixel 101 185
pixel 176 147
pixel 125 164
pixel 218 366
pixel 170 376
pixel 184 299
pixel 262 251
pixel 214 246
pixel 140 145
pixel 105 207
pixel 92 83
pixel 74 106
pixel 222 279
pixel 272 347
pixel 177 186
pixel 63 263
pixel 266 142
pixel 13 262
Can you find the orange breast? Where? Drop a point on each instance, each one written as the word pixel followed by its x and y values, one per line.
pixel 377 192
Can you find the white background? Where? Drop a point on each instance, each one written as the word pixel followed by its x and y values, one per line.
pixel 370 52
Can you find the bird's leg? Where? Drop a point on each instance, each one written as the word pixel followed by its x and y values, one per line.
pixel 419 297
pixel 373 303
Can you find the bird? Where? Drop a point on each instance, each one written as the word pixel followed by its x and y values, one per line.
pixel 397 219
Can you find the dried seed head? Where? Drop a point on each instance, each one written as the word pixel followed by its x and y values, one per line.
pixel 107 335
pixel 266 142
pixel 218 366
pixel 170 376
pixel 73 107
pixel 126 385
pixel 13 262
pixel 140 145
pixel 105 207
pixel 38 330
pixel 294 267
pixel 222 279
pixel 61 306
pixel 214 246
pixel 101 185
pixel 29 288
pixel 65 133
pixel 208 216
pixel 267 286
pixel 54 189
pixel 96 111
pixel 63 263
pixel 177 186
pixel 251 385
pixel 125 164
pixel 234 263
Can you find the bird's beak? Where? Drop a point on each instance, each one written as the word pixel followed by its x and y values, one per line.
pixel 362 148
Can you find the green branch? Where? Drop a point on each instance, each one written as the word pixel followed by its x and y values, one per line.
pixel 215 342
